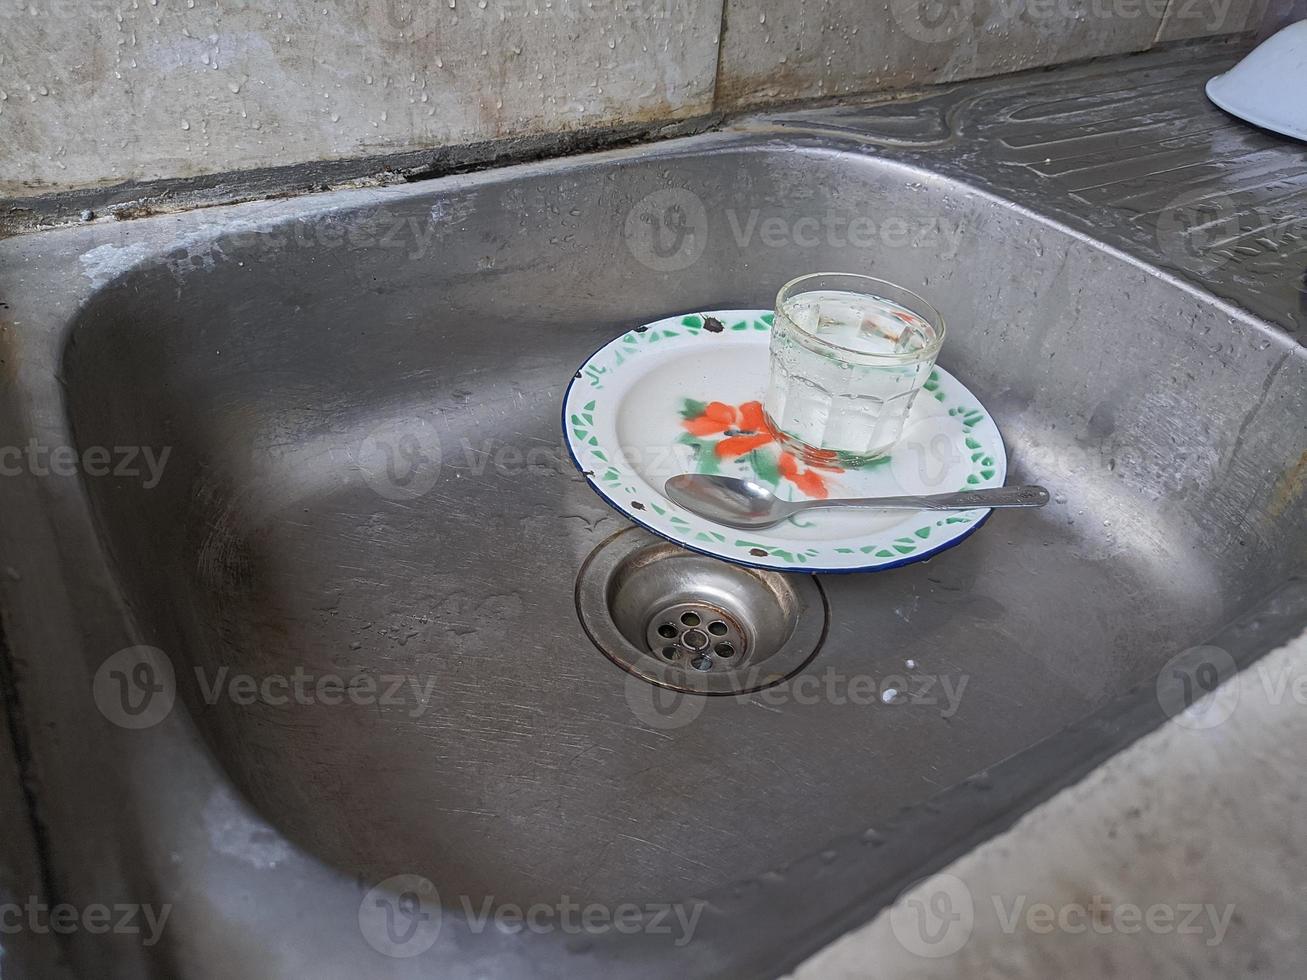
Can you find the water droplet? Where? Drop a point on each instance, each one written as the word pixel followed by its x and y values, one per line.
pixel 234 87
pixel 186 124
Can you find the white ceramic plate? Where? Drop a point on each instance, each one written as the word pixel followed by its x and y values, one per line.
pixel 684 395
pixel 1269 87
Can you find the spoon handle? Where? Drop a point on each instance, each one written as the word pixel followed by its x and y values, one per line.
pixel 1026 496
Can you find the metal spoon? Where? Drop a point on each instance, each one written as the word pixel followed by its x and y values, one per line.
pixel 748 505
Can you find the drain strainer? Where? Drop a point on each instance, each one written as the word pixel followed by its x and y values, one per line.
pixel 702 634
pixel 693 623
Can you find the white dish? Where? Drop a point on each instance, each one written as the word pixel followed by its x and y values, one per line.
pixel 683 395
pixel 1269 87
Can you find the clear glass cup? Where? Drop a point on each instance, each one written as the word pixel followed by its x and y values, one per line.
pixel 848 355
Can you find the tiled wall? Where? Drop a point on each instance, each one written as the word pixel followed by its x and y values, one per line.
pixel 810 48
pixel 106 90
pixel 100 91
pixel 817 48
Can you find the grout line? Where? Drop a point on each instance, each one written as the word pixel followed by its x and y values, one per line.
pixel 721 65
pixel 1161 21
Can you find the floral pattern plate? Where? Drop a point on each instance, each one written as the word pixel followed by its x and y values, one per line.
pixel 685 395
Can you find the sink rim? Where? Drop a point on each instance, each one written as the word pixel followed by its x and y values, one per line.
pixel 38 505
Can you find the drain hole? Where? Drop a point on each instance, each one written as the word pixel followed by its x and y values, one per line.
pixel 695 639
pixel 685 622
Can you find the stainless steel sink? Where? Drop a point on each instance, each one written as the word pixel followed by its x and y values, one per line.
pixel 279 351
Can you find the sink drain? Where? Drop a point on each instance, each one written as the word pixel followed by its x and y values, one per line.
pixel 704 635
pixel 692 623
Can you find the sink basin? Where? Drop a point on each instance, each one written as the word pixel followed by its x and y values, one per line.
pixel 365 478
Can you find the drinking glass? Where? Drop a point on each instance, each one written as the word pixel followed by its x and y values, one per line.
pixel 848 355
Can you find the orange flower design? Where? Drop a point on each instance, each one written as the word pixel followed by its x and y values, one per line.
pixel 809 481
pixel 745 429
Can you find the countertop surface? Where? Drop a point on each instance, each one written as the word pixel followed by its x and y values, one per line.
pixel 1130 152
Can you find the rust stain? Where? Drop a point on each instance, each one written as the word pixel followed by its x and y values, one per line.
pixel 741 87
pixel 8 352
pixel 1289 488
